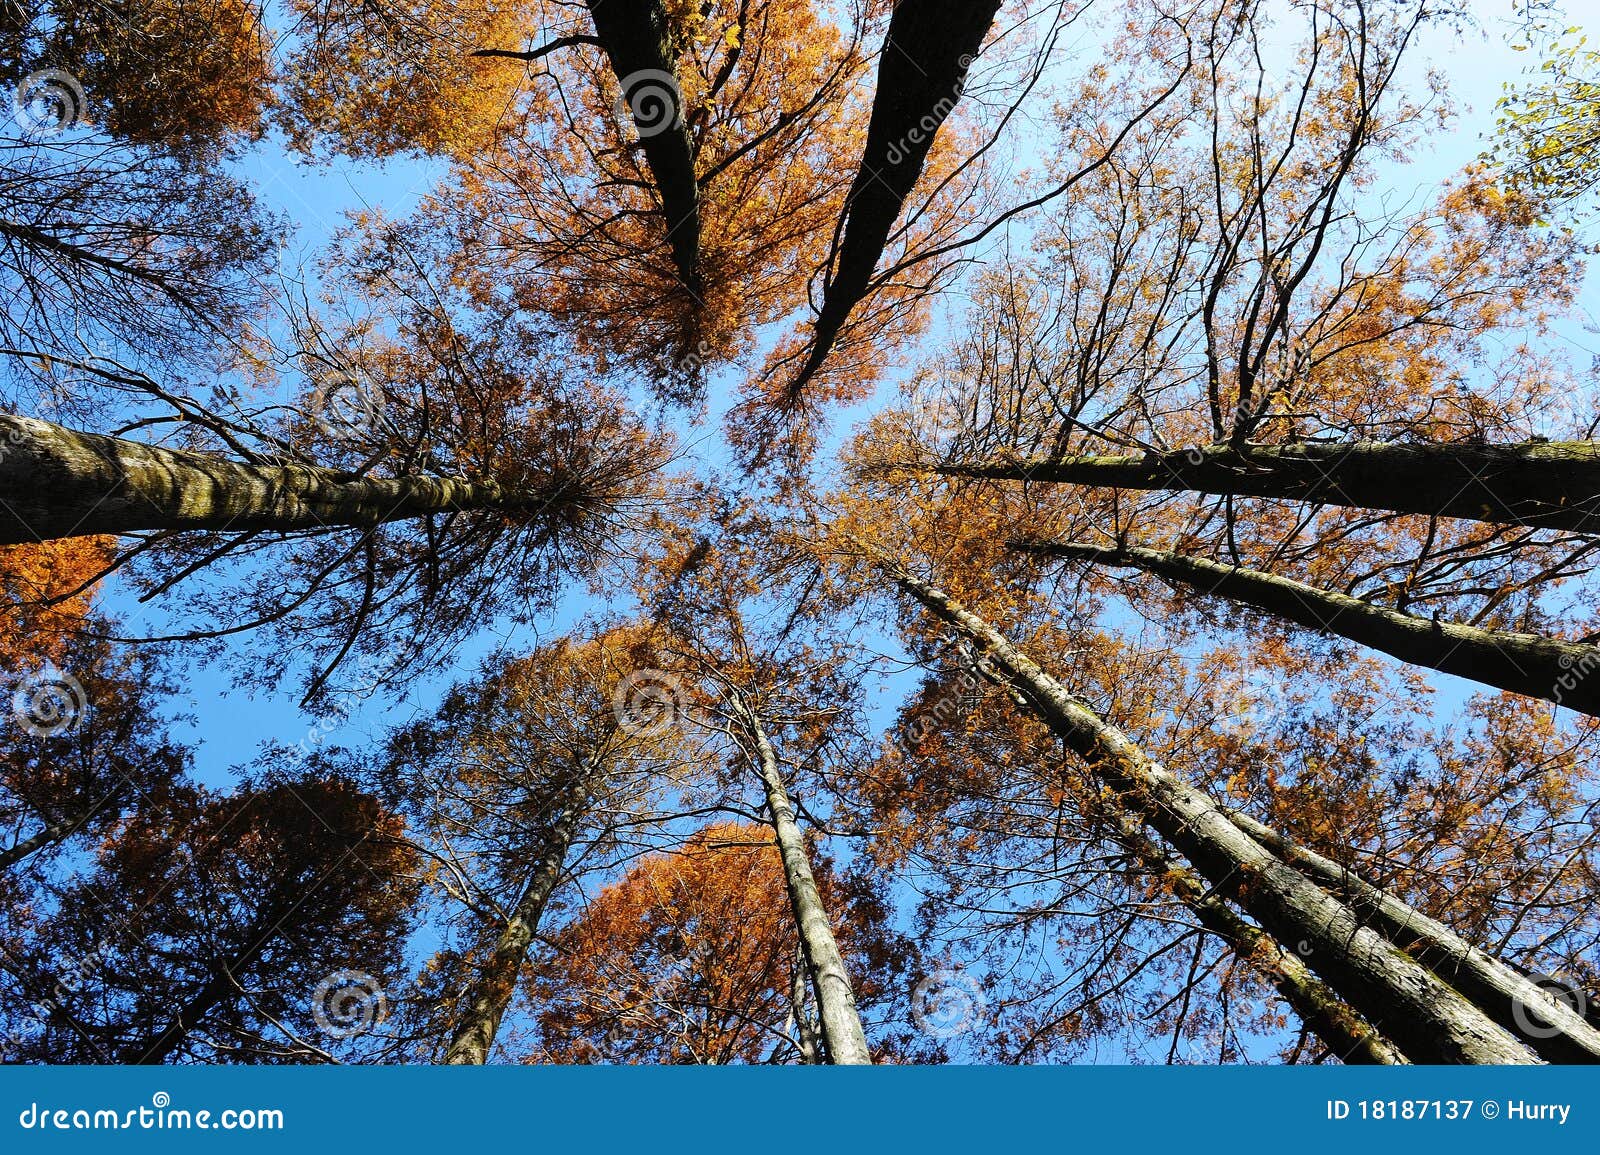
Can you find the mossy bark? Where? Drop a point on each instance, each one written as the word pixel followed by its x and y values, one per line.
pixel 57 482
pixel 1557 671
pixel 1547 484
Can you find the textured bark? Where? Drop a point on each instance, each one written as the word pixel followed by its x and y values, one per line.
pixel 1327 1016
pixel 638 41
pixel 1530 664
pixel 1550 484
pixel 1341 1030
pixel 1552 1028
pixel 1428 1020
pixel 921 71
pixel 492 988
pixel 57 482
pixel 843 1038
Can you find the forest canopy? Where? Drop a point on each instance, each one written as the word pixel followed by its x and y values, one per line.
pixel 798 532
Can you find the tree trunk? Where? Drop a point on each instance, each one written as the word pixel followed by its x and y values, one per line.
pixel 223 983
pixel 1327 1016
pixel 47 836
pixel 842 1035
pixel 643 53
pixel 1429 1021
pixel 1548 1025
pixel 57 482
pixel 1550 484
pixel 1322 1011
pixel 495 983
pixel 805 1026
pixel 1539 667
pixel 921 71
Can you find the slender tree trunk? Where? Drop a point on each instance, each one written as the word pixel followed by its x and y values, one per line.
pixel 842 1035
pixel 1428 1020
pixel 1548 1025
pixel 223 983
pixel 57 482
pixel 805 1027
pixel 921 71
pixel 47 836
pixel 1528 664
pixel 493 987
pixel 1551 484
pixel 643 52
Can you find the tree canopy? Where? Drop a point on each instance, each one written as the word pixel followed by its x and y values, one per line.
pixel 797 532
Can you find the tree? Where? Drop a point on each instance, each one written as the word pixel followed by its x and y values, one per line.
pixel 1375 976
pixel 922 68
pixel 1094 705
pixel 690 958
pixel 1545 134
pixel 524 783
pixel 212 926
pixel 86 746
pixel 1523 663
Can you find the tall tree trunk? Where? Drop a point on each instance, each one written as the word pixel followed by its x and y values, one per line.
pixel 1528 664
pixel 57 482
pixel 1550 484
pixel 842 1035
pixel 921 71
pixel 1427 1019
pixel 1548 1025
pixel 493 987
pixel 643 52
pixel 1327 1016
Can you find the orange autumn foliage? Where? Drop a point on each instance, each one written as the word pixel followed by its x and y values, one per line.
pixel 691 957
pixel 34 629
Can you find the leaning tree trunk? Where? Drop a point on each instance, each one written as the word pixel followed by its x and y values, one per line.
pixel 57 482
pixel 492 988
pixel 921 71
pixel 1539 667
pixel 1548 1025
pixel 49 835
pixel 843 1038
pixel 639 43
pixel 1427 1019
pixel 1326 1015
pixel 1548 484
